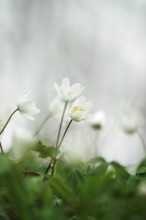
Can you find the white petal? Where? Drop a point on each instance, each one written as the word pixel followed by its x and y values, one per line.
pixel 65 83
pixel 28 116
pixel 78 116
pixel 81 101
pixel 25 97
pixel 27 107
pixel 66 92
pixel 77 89
pixel 56 86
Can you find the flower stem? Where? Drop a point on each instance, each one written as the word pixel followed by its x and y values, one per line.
pixel 47 170
pixel 60 126
pixel 42 124
pixel 56 146
pixel 8 120
pixel 97 138
pixel 55 162
pixel 64 133
pixel 1 148
pixel 6 126
pixel 142 141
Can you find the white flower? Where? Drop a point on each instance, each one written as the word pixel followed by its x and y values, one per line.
pixel 130 121
pixel 26 107
pixel 80 109
pixel 98 120
pixel 68 93
pixel 131 118
pixel 129 124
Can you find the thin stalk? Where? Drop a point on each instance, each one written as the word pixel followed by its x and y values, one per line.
pixel 8 120
pixel 60 126
pixel 55 162
pixel 47 170
pixel 42 124
pixel 6 126
pixel 142 141
pixel 64 133
pixel 57 141
pixel 97 138
pixel 1 148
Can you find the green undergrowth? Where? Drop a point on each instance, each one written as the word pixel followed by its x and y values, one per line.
pixel 88 190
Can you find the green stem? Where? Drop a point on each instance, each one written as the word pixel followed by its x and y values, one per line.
pixel 64 133
pixel 1 148
pixel 8 120
pixel 60 126
pixel 6 126
pixel 55 162
pixel 47 170
pixel 42 124
pixel 97 138
pixel 57 141
pixel 142 141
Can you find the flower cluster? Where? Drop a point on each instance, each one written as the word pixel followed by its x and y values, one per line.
pixel 69 105
pixel 80 108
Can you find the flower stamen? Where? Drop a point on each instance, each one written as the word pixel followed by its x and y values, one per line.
pixel 76 109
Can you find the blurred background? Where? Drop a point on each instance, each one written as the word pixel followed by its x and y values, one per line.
pixel 100 44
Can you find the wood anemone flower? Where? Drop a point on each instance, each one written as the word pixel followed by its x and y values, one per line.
pixel 67 92
pixel 80 109
pixel 26 107
pixel 98 120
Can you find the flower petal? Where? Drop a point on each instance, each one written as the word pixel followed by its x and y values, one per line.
pixel 26 107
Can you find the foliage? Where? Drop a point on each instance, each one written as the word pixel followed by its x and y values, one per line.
pixel 88 190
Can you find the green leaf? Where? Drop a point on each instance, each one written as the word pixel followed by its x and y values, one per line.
pixel 63 190
pixel 73 174
pixel 45 151
pixel 5 165
pixel 97 166
pixel 141 172
pixel 13 181
pixel 120 171
pixel 2 217
pixel 142 164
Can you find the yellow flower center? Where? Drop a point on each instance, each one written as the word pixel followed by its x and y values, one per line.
pixel 77 108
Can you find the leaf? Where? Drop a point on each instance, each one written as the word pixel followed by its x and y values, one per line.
pixel 63 190
pixel 3 217
pixel 142 164
pixel 141 172
pixel 132 181
pixel 120 171
pixel 73 174
pixel 97 166
pixel 45 151
pixel 15 187
pixel 5 165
